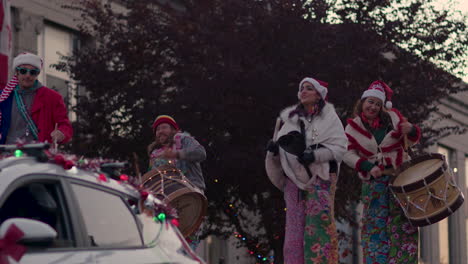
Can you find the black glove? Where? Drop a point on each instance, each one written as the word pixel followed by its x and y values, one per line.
pixel 293 143
pixel 272 147
pixel 306 158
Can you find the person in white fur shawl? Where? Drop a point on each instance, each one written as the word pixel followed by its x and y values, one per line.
pixel 308 175
pixel 376 140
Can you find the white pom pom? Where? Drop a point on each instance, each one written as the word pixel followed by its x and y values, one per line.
pixel 388 105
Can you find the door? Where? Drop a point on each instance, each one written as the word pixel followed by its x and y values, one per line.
pixel 42 198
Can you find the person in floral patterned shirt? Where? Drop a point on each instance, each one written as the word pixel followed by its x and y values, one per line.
pixel 376 141
pixel 304 164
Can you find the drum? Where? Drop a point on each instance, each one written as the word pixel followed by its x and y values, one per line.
pixel 425 189
pixel 171 186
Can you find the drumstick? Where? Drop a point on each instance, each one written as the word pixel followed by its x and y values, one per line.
pixel 55 139
pixel 389 171
pixel 137 168
pixel 407 147
pixel 277 127
pixel 405 143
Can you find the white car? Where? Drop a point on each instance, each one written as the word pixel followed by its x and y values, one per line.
pixel 74 216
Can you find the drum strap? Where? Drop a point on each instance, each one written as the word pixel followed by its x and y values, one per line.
pixel 302 126
pixel 333 164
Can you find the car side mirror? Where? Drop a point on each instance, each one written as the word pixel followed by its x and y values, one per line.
pixel 33 230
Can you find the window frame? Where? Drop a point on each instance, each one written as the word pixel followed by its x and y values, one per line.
pixel 69 215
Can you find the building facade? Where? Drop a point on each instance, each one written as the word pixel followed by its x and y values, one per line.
pixel 45 28
pixel 446 241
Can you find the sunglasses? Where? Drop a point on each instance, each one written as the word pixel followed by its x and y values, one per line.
pixel 23 71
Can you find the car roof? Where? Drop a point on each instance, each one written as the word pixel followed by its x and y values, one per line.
pixel 13 168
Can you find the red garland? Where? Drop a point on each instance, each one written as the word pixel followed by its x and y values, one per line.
pixel 166 209
pixel 9 247
pixel 65 163
pixel 158 208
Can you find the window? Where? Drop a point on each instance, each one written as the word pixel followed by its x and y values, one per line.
pixel 108 219
pixel 42 201
pixel 53 42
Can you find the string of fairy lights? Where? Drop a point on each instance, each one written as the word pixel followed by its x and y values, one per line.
pixel 253 247
pixel 163 214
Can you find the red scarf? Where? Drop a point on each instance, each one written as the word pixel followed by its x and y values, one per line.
pixel 374 124
pixel 314 110
pixel 301 111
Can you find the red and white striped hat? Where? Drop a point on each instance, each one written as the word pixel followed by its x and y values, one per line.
pixel 380 90
pixel 320 86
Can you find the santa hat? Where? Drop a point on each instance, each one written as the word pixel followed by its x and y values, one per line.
pixel 165 119
pixel 28 58
pixel 379 90
pixel 320 86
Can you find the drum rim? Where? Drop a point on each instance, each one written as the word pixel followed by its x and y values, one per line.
pixel 154 172
pixel 441 215
pixel 421 183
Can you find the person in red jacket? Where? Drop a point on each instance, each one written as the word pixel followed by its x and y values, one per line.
pixel 29 110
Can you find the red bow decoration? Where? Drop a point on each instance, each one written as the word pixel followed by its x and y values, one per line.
pixel 124 177
pixel 8 246
pixel 66 164
pixel 102 177
pixel 175 222
pixel 144 195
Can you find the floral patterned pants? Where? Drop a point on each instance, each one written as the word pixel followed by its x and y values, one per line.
pixel 311 235
pixel 387 235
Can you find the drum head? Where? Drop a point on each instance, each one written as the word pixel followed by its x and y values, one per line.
pixel 417 172
pixel 191 207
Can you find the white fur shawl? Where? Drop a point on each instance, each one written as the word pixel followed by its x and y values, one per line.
pixel 325 129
